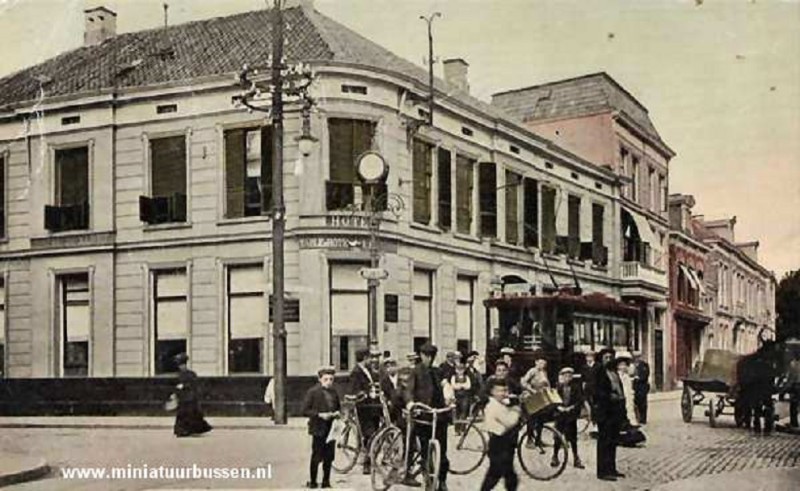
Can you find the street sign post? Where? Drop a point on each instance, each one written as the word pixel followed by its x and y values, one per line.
pixel 374 273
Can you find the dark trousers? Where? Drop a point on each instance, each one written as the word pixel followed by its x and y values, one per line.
pixel 321 452
pixel 640 401
pixel 369 418
pixel 794 403
pixel 607 440
pixel 501 461
pixel 569 428
pixel 424 434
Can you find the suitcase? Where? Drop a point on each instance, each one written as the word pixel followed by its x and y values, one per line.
pixel 541 400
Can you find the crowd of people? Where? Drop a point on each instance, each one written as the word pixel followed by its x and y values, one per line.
pixel 613 386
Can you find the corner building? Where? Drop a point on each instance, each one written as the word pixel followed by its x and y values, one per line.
pixel 137 208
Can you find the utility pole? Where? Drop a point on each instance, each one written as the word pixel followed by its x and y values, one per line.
pixel 429 21
pixel 278 219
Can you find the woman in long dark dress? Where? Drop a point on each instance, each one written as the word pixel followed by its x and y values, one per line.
pixel 189 419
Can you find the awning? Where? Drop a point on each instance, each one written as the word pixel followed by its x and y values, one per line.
pixel 698 280
pixel 687 272
pixel 645 231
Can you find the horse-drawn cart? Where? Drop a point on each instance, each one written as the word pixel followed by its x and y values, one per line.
pixel 711 384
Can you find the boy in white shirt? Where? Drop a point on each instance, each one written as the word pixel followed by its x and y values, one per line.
pixel 501 423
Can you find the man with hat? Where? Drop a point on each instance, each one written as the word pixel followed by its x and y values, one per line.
pixel 363 381
pixel 609 412
pixel 474 372
pixel 412 359
pixel 321 406
pixel 588 374
pixel 571 392
pixel 448 366
pixel 392 391
pixel 426 385
pixel 507 355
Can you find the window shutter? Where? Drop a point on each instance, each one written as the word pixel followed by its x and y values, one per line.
pixel 464 180
pixel 234 173
pixel 548 219
pixel 445 189
pixel 52 218
pixel 512 207
pixel 421 167
pixel 487 189
pixel 145 209
pixel 531 213
pixel 266 169
pixel 598 212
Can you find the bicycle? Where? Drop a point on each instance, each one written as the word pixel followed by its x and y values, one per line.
pixel 470 446
pixel 350 445
pixel 532 450
pixel 390 451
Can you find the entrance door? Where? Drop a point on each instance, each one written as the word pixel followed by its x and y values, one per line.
pixel 659 358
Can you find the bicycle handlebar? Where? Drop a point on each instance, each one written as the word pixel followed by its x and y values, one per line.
pixel 426 408
pixel 355 397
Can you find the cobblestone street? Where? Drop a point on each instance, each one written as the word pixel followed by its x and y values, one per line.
pixel 674 451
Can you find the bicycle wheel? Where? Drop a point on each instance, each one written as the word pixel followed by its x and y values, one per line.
pixel 432 465
pixel 466 450
pixel 348 446
pixel 546 459
pixel 585 420
pixel 387 456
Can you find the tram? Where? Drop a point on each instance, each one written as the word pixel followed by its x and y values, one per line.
pixel 562 326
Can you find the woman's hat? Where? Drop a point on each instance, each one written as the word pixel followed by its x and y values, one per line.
pixel 623 356
pixel 181 358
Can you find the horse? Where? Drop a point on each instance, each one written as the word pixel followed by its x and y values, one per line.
pixel 755 386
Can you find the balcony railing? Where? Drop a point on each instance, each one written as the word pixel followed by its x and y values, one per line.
pixel 64 218
pixel 342 195
pixel 163 209
pixel 634 270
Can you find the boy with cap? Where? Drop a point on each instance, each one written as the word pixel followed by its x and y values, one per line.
pixel 321 406
pixel 571 392
pixel 500 421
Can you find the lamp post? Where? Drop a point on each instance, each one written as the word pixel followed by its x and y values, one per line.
pixel 373 172
pixel 293 82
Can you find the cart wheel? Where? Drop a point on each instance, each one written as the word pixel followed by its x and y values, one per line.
pixel 712 413
pixel 687 404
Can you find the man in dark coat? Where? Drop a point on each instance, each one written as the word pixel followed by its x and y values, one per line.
pixel 362 382
pixel 571 392
pixel 641 386
pixel 321 406
pixel 392 390
pixel 426 385
pixel 189 418
pixel 609 411
pixel 448 366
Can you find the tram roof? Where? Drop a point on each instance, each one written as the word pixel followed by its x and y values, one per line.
pixel 593 302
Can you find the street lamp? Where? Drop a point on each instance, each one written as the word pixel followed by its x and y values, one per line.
pixel 373 171
pixel 290 82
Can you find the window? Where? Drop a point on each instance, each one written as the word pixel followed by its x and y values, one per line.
pixel 170 329
pixel 71 210
pixel 75 324
pixel 246 317
pixel 248 172
pixel 348 139
pixel 465 168
pixel 2 196
pixel 465 294
pixel 349 307
pixel 444 166
pixel 662 186
pixel 531 213
pixel 512 193
pixel 635 179
pixel 652 183
pixel 422 169
pixel 167 200
pixel 423 306
pixel 2 328
pixel 487 188
pixel 573 226
pixel 68 120
pixel 599 253
pixel 548 219
pixel 354 89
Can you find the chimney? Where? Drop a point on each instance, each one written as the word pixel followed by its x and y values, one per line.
pixel 455 73
pixel 100 23
pixel 308 4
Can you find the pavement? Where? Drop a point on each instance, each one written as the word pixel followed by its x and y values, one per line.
pixel 677 455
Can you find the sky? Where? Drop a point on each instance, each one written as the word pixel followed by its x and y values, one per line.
pixel 721 79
